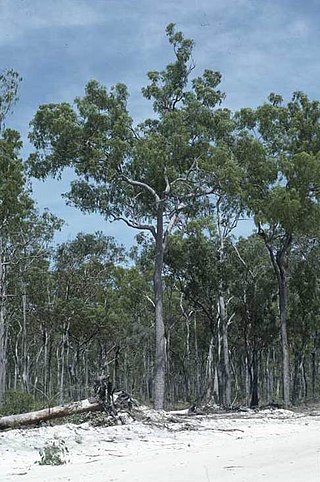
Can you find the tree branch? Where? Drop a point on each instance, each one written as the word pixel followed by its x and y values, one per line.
pixel 243 261
pixel 141 184
pixel 135 225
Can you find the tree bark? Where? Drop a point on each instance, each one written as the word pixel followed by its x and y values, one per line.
pixel 254 380
pixel 160 366
pixel 3 349
pixel 279 263
pixel 225 359
pixel 3 328
pixel 25 356
pixel 12 421
pixel 283 302
pixel 313 372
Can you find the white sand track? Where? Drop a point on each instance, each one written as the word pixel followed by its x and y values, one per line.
pixel 275 446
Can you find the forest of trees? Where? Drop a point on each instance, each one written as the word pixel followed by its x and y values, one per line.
pixel 191 313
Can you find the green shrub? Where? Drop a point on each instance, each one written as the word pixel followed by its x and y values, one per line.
pixel 17 401
pixel 53 453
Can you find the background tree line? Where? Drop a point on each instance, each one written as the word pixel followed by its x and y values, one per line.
pixel 191 313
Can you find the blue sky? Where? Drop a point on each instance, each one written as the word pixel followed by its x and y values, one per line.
pixel 259 46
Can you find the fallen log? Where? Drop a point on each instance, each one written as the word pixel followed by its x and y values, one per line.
pixel 119 400
pixel 13 421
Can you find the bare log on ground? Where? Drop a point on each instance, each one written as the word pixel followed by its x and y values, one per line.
pixel 12 421
pixel 110 404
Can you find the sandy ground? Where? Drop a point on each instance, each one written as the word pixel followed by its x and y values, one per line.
pixel 265 446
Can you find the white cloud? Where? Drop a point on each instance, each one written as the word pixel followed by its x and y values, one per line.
pixel 20 17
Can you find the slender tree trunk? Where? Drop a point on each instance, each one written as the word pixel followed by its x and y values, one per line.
pixel 314 372
pixel 25 356
pixel 3 350
pixel 269 376
pixel 247 381
pixel 45 362
pixel 17 357
pixel 3 328
pixel 116 381
pixel 283 302
pixel 210 371
pixel 280 262
pixel 86 372
pixel 197 358
pixel 225 365
pixel 304 379
pixel 187 362
pixel 254 384
pixel 296 384
pixel 160 368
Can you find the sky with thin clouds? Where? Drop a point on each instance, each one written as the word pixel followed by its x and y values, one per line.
pixel 259 46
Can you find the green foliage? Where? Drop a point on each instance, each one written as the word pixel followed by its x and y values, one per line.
pixel 15 202
pixel 54 453
pixel 9 84
pixel 117 162
pixel 285 194
pixel 17 401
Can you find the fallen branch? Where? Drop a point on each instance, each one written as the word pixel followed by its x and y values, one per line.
pixel 110 405
pixel 12 421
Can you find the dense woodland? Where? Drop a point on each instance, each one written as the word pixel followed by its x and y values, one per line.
pixel 192 313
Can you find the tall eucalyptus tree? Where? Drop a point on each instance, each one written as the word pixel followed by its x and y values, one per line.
pixel 284 195
pixel 146 175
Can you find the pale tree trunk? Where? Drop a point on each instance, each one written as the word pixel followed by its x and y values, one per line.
pixel 45 361
pixel 3 350
pixel 314 370
pixel 225 359
pixel 12 421
pixel 247 380
pixel 116 367
pixel 197 358
pixel 37 368
pixel 16 357
pixel 283 302
pixel 61 387
pixel 25 356
pixel 187 364
pixel 160 359
pixel 3 327
pixel 86 371
pixel 64 342
pixel 210 371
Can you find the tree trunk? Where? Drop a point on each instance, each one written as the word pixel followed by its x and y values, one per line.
pixel 314 372
pixel 12 421
pixel 247 379
pixel 25 356
pixel 283 301
pixel 254 381
pixel 197 358
pixel 225 359
pixel 3 328
pixel 160 368
pixel 45 362
pixel 280 262
pixel 210 372
pixel 3 349
pixel 116 380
